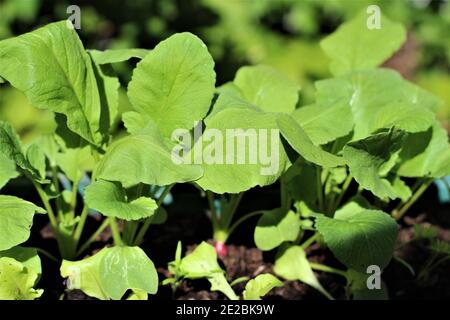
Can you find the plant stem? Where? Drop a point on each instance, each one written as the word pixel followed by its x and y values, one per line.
pixel 115 231
pixel 322 267
pixel 398 212
pixel 58 199
pixel 94 236
pixel 48 255
pixel 243 219
pixel 345 186
pixel 227 215
pixel 80 225
pixel 212 207
pixel 149 220
pixel 47 205
pixel 319 188
pixel 310 240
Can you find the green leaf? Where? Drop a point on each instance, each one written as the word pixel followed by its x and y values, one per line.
pixel 111 272
pixel 36 158
pixel 275 227
pixel 75 162
pixel 56 74
pixel 147 159
pixel 11 148
pixel 235 133
pixel 324 123
pixel 117 55
pixel 174 84
pixel 425 154
pixel 292 264
pixel 354 46
pixel 27 256
pixel 369 158
pixel 110 199
pixel 299 140
pixel 364 238
pixel 260 286
pixel 302 173
pixel 200 263
pixel 17 281
pixel 267 88
pixel 16 218
pixel 220 283
pixel 7 170
pixel 402 104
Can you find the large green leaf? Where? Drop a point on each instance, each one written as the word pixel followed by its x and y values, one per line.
pixel 402 104
pixel 354 46
pixel 56 74
pixel 110 199
pixel 260 286
pixel 364 238
pixel 17 281
pixel 232 160
pixel 11 148
pixel 292 264
pixel 325 123
pixel 7 170
pixel 147 159
pixel 267 88
pixel 299 140
pixel 425 154
pixel 111 272
pixel 174 84
pixel 275 227
pixel 117 55
pixel 16 219
pixel 370 158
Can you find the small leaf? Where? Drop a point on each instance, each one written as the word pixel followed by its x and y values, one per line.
pixel 16 218
pixel 27 256
pixel 361 239
pixel 354 46
pixel 260 286
pixel 17 281
pixel 275 227
pixel 7 170
pixel 200 263
pixel 110 199
pixel 220 283
pixel 111 272
pixel 291 264
pixel 357 283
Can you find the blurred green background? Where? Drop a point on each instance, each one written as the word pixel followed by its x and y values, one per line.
pixel 281 33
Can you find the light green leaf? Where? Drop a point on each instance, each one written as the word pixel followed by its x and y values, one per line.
pixel 16 218
pixel 110 199
pixel 111 272
pixel 260 286
pixel 75 162
pixel 36 158
pixel 364 238
pixel 17 281
pixel 27 256
pixel 354 46
pixel 117 55
pixel 369 158
pixel 425 154
pixel 11 148
pixel 275 227
pixel 235 134
pixel 324 123
pixel 174 84
pixel 200 263
pixel 7 170
pixel 267 88
pixel 220 283
pixel 299 140
pixel 292 264
pixel 138 294
pixel 147 160
pixel 56 74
